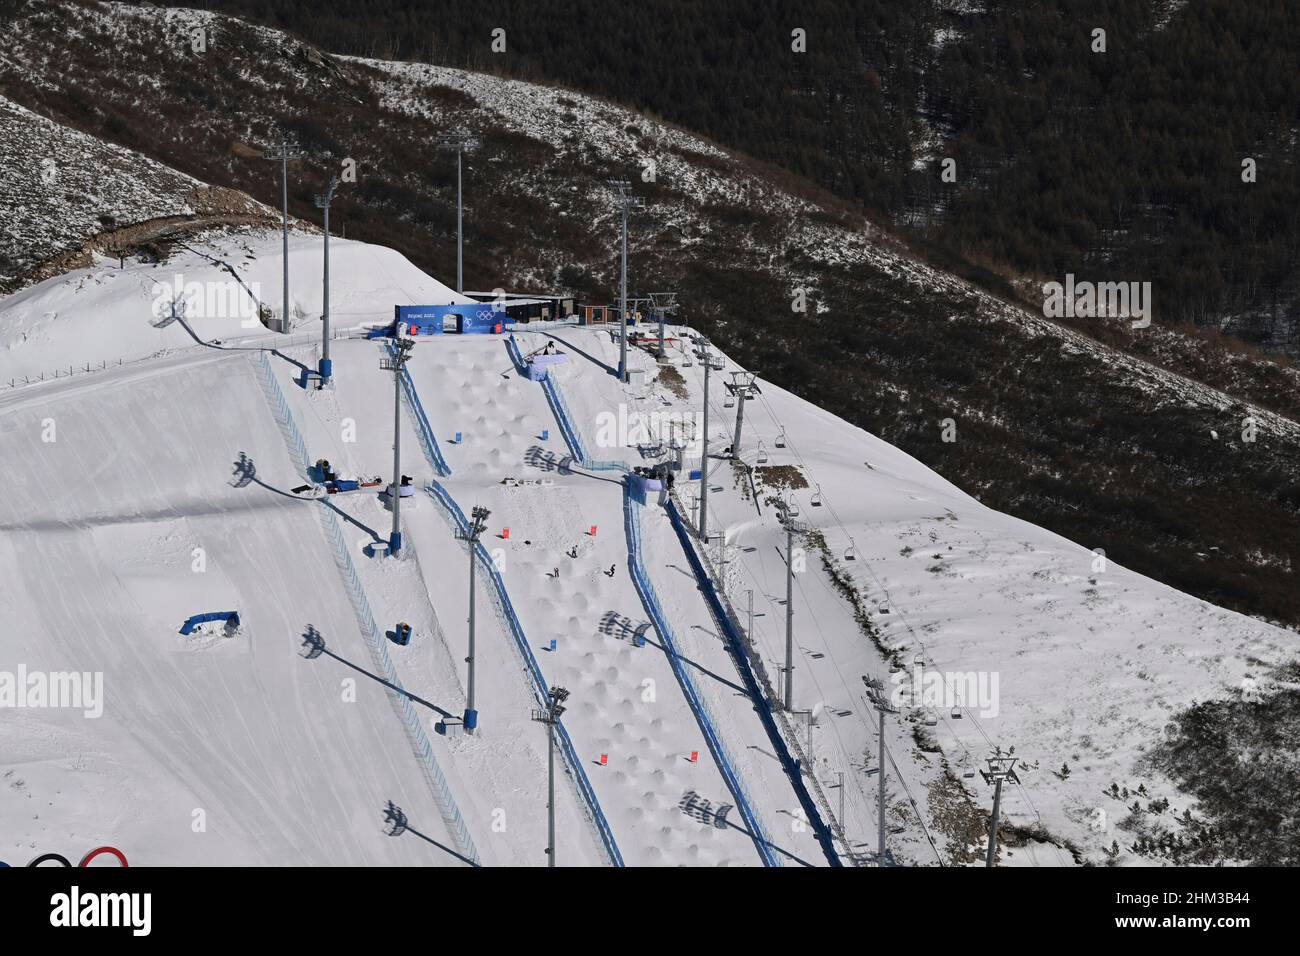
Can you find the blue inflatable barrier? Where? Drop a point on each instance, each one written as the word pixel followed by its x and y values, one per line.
pixel 231 618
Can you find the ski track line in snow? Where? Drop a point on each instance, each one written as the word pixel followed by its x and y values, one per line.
pixel 365 620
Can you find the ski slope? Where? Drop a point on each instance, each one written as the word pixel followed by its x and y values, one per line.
pixel 272 747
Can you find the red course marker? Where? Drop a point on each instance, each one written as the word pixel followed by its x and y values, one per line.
pixel 604 759
pixel 505 534
pixel 695 755
pixel 593 531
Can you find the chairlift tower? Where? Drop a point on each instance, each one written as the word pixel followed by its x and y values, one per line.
pixel 742 385
pixel 478 524
pixel 880 700
pixel 396 363
pixel 326 367
pixel 1002 766
pixel 286 152
pixel 550 716
pixel 792 528
pixel 662 303
pixel 626 203
pixel 461 143
pixel 707 359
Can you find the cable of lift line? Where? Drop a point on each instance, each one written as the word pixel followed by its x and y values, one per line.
pixel 843 526
pixel 844 749
pixel 1023 788
pixel 898 775
pixel 817 624
pixel 902 614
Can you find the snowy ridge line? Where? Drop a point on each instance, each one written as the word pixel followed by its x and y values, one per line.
pixel 762 702
pixel 510 620
pixel 370 633
pixel 650 601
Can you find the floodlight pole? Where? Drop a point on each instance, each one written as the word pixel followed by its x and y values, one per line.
pixel 550 716
pixel 478 524
pixel 460 142
pixel 401 352
pixel 326 367
pixel 284 154
pixel 626 203
pixel 704 454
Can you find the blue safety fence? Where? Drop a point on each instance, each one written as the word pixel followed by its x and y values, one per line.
pixel 731 629
pixel 370 632
pixel 650 600
pixel 568 430
pixel 428 441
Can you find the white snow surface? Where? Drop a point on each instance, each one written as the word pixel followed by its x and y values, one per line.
pixel 248 750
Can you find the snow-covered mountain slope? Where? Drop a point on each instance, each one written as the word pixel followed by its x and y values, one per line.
pixel 119 476
pixel 111 312
pixel 1130 440
pixel 68 195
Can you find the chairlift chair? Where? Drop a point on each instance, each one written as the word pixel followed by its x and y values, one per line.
pixel 792 508
pixel 729 401
pixel 816 501
pixel 850 554
pixel 956 713
pixel 780 439
pixel 762 454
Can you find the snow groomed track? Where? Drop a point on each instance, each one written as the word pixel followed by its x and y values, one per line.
pixel 452 512
pixel 650 601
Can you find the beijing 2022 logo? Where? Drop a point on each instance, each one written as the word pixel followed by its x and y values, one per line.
pixel 58 859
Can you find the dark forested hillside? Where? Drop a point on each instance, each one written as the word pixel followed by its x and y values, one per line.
pixel 1116 165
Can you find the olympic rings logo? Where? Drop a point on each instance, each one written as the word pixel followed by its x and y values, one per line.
pixel 47 859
